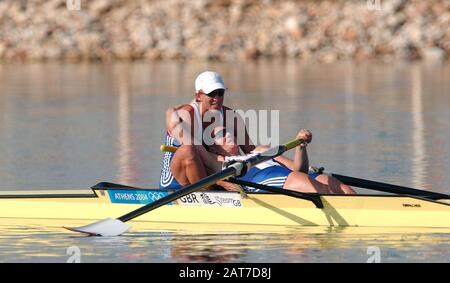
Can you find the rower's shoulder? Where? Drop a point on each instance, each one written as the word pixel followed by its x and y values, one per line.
pixel 186 107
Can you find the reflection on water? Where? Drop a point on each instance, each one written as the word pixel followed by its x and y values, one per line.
pixel 70 126
pixel 418 132
pixel 128 172
pixel 34 243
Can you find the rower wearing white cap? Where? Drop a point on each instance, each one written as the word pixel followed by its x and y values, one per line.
pixel 185 125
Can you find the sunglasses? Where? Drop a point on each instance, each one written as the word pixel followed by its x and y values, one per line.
pixel 215 93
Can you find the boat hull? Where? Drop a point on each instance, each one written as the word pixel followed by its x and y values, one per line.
pixel 256 209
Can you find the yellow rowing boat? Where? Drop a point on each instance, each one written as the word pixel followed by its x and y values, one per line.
pixel 229 208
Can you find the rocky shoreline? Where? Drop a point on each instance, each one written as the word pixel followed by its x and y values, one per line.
pixel 325 31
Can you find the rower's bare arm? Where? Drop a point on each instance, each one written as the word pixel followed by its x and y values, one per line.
pixel 301 160
pixel 212 161
pixel 179 123
pixel 289 163
pixel 241 133
pixel 248 146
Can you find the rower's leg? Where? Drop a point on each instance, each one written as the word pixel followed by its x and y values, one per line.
pixel 209 160
pixel 299 181
pixel 335 185
pixel 187 166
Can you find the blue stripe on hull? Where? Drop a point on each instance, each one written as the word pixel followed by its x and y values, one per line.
pixel 135 196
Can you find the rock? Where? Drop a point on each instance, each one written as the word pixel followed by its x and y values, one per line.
pixel 326 30
pixel 392 6
pixel 251 53
pixel 122 50
pixel 72 56
pixel 99 7
pixel 153 54
pixel 3 48
pixel 328 56
pixel 408 51
pixel 293 27
pixel 433 54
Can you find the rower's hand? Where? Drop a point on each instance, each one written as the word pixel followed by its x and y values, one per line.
pixel 305 135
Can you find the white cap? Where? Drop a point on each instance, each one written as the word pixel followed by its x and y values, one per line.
pixel 209 81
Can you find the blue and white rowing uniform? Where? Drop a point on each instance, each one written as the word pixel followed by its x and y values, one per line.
pixel 167 180
pixel 270 173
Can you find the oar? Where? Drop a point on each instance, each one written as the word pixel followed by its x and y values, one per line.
pixel 388 188
pixel 367 184
pixel 313 197
pixel 115 227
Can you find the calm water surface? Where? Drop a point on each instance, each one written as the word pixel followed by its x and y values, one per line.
pixel 25 242
pixel 65 126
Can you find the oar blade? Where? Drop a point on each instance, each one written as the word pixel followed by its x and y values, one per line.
pixel 107 227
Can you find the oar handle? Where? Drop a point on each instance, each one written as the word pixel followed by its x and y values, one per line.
pixel 268 155
pixel 294 143
pixel 288 146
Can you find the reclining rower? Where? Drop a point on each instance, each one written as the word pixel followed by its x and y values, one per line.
pixel 280 172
